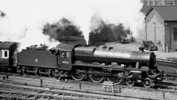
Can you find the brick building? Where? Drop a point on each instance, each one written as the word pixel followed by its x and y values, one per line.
pixel 161 27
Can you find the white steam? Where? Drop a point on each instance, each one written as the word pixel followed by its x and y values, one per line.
pixel 24 19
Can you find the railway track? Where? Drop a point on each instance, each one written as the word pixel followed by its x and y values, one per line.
pixel 26 92
pixel 170 85
pixel 46 85
pixel 34 93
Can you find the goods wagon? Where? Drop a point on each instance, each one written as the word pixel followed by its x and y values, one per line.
pixel 8 54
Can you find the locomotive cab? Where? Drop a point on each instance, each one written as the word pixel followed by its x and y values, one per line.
pixel 64 56
pixel 64 59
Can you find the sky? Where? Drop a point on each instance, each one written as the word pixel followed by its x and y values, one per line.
pixel 25 19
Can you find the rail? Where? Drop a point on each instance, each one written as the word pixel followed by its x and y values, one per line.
pixel 83 89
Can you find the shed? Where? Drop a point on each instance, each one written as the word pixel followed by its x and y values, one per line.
pixel 161 27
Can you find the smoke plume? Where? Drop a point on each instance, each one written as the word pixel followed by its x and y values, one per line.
pixel 102 32
pixel 64 31
pixel 24 19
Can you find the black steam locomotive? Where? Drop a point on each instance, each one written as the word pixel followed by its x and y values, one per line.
pixel 83 63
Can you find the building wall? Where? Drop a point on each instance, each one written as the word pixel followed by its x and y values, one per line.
pixel 155 29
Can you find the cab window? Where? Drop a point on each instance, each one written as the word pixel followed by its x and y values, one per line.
pixel 64 54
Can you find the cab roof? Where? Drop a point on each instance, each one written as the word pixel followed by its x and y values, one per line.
pixel 6 45
pixel 66 47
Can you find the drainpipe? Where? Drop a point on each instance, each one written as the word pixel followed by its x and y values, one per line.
pixel 167 40
pixel 145 28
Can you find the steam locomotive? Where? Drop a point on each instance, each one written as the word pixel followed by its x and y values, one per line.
pixel 83 63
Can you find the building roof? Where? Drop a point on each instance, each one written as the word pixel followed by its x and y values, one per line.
pixel 145 9
pixel 168 13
